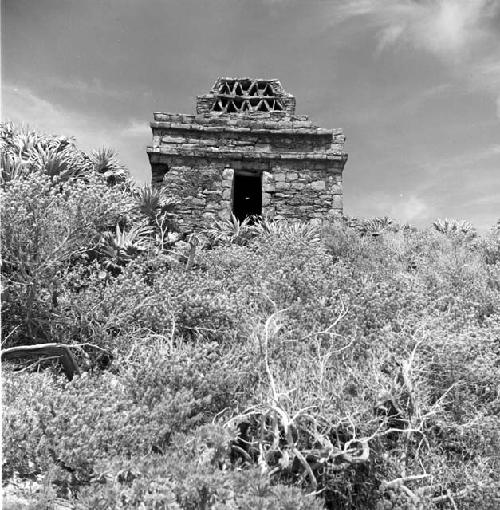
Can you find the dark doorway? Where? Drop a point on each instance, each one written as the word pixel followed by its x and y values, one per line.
pixel 247 194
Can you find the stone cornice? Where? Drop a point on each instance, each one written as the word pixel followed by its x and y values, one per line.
pixel 278 130
pixel 211 152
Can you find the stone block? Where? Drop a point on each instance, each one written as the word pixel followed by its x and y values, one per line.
pixel 282 186
pixel 337 202
pixel 228 173
pixel 336 189
pixel 224 214
pixel 264 147
pixel 226 194
pixel 279 177
pixel 207 141
pixel 318 185
pixel 292 176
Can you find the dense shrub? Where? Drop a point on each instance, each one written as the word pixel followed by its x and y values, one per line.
pixel 45 226
pixel 62 432
pixel 357 361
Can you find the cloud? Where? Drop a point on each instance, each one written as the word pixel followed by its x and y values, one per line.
pixel 487 200
pixel 413 208
pixel 443 27
pixel 136 128
pixel 465 160
pixel 461 33
pixel 486 74
pixel 23 106
pixel 408 209
pixel 93 88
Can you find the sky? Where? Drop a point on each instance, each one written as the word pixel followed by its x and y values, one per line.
pixel 415 84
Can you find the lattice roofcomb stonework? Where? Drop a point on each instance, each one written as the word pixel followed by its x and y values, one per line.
pixel 246 152
pixel 239 95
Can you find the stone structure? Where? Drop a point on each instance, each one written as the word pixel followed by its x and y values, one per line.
pixel 245 151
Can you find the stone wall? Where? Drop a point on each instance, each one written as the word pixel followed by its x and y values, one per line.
pixel 196 157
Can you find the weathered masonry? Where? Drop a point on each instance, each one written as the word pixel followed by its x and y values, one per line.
pixel 245 151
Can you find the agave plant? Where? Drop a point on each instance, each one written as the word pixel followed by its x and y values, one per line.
pixel 65 164
pixel 454 227
pixel 374 226
pixel 231 231
pixel 18 141
pixel 120 247
pixel 297 231
pixel 25 151
pixel 13 167
pixel 106 163
pixel 154 201
pixel 159 209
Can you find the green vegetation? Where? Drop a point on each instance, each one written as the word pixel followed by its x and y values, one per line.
pixel 285 366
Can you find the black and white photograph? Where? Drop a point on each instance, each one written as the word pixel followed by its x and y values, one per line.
pixel 250 254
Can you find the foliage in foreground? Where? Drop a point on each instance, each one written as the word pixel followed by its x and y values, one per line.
pixel 292 366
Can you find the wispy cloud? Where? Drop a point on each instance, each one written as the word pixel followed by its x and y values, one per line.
pixel 405 208
pixel 93 87
pixel 462 33
pixel 444 27
pixel 413 103
pixel 465 160
pixel 22 105
pixel 136 128
pixel 410 208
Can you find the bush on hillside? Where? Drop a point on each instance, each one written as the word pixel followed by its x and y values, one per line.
pixel 356 363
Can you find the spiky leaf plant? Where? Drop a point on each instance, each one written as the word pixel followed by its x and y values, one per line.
pixel 230 231
pixel 13 167
pixel 25 151
pixel 375 226
pixel 453 227
pixel 120 247
pixel 105 162
pixel 154 201
pixel 297 231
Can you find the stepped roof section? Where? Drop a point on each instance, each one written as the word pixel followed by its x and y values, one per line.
pixel 244 118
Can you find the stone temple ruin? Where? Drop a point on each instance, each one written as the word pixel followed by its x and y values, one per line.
pixel 246 152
